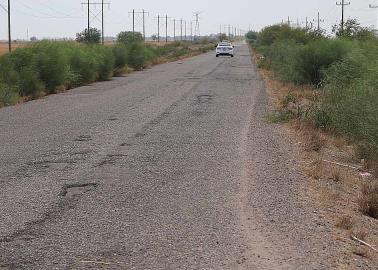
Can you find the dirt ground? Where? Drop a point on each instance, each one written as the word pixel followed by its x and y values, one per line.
pixel 334 181
pixel 4 47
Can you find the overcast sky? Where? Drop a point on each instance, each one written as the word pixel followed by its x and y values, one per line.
pixel 63 18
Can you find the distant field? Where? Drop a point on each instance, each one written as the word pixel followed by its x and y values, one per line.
pixel 4 47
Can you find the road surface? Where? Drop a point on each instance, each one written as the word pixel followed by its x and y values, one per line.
pixel 173 167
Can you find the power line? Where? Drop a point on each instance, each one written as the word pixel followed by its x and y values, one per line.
pixel 2 7
pixel 45 15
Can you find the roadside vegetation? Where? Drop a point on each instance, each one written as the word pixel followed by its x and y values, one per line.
pixel 326 89
pixel 342 70
pixel 49 67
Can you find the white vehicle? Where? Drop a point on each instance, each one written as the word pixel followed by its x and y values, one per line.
pixel 225 48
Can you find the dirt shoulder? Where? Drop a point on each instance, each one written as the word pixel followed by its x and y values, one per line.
pixel 333 182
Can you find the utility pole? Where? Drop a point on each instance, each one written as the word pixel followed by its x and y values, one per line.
pixel 133 21
pixel 166 28
pixel 318 21
pixel 174 29
pixel 144 25
pixel 185 31
pixel 88 8
pixel 181 28
pixel 306 23
pixel 9 27
pixel 102 23
pixel 197 30
pixel 342 4
pixel 132 13
pixel 288 20
pixel 376 7
pixel 191 31
pixel 158 29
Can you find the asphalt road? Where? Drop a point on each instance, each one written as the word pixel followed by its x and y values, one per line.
pixel 169 168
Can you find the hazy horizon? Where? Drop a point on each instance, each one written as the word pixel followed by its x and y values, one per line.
pixel 54 19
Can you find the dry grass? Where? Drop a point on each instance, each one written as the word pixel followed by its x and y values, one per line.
pixel 368 199
pixel 315 170
pixel 336 174
pixel 360 234
pixel 345 222
pixel 361 251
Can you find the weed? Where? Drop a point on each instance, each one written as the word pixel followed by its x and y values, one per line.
pixel 345 222
pixel 336 174
pixel 288 99
pixel 279 116
pixel 316 170
pixel 360 251
pixel 368 199
pixel 314 142
pixel 8 95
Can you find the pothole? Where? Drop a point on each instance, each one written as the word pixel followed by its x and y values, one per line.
pixel 110 160
pixel 125 144
pixel 83 138
pixel 77 189
pixel 113 119
pixel 204 98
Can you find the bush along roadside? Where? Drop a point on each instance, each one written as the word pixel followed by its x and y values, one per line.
pixel 327 87
pixel 48 67
pixel 341 70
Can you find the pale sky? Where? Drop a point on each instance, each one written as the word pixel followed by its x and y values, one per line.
pixel 64 18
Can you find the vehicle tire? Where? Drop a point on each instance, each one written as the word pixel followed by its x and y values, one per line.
pixel 232 55
pixel 217 55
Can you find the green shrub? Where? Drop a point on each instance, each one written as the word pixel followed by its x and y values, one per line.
pixel 20 69
pixel 93 36
pixel 136 57
pixel 83 65
pixel 128 37
pixel 278 32
pixel 52 63
pixel 120 53
pixel 105 62
pixel 28 82
pixel 345 70
pixel 8 95
pixel 47 66
pixel 314 58
pixel 351 95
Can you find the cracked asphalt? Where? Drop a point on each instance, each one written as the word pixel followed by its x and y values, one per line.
pixel 173 167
